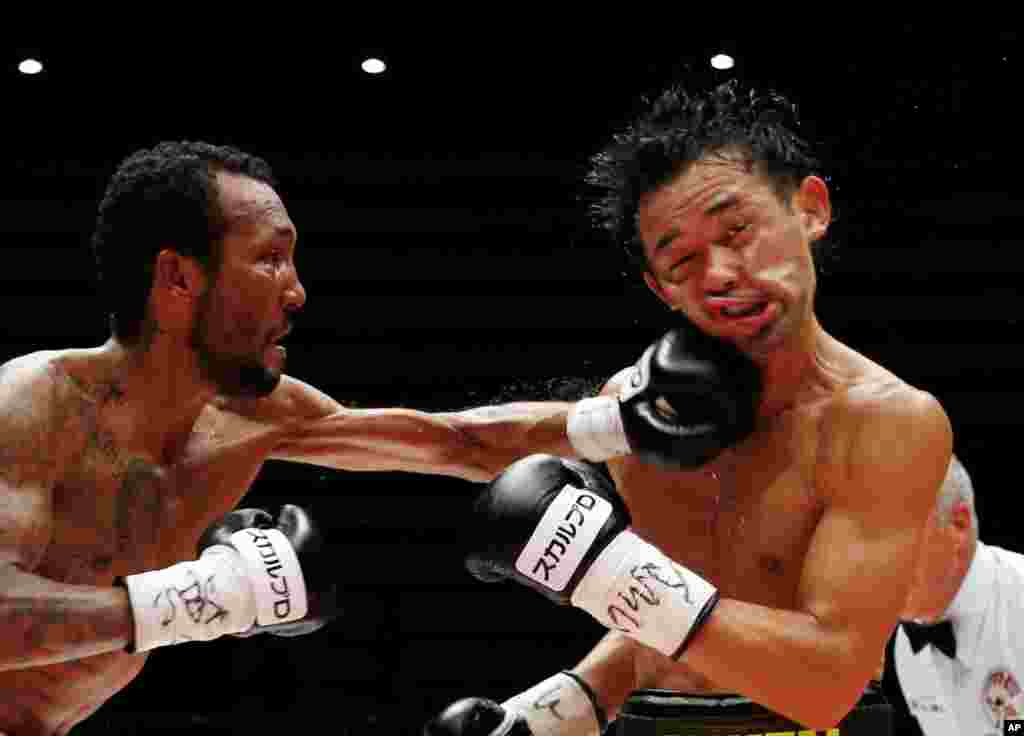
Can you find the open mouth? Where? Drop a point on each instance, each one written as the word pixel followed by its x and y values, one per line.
pixel 745 316
pixel 743 310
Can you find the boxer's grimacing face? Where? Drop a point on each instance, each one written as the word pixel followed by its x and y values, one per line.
pixel 725 251
pixel 247 309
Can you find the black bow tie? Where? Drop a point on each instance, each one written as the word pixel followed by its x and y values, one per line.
pixel 939 635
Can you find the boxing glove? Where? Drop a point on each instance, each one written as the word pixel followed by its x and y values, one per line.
pixel 558 526
pixel 477 717
pixel 307 540
pixel 689 397
pixel 507 512
pixel 250 572
pixel 562 705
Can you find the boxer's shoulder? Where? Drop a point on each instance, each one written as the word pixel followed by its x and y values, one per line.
pixel 33 396
pixel 863 390
pixel 880 402
pixel 58 380
pixel 858 392
pixel 29 378
pixel 293 401
pixel 882 434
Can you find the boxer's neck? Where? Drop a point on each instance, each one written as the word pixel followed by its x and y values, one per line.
pixel 159 385
pixel 797 370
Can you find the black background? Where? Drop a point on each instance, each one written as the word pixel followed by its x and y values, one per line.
pixel 448 263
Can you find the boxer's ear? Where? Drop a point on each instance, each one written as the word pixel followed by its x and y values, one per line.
pixel 178 282
pixel 182 276
pixel 813 205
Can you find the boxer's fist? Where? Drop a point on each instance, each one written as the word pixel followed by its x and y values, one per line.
pixel 559 527
pixel 305 538
pixel 562 705
pixel 688 397
pixel 477 717
pixel 542 521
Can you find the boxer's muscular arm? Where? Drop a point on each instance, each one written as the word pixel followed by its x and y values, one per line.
pixel 813 663
pixel 475 444
pixel 41 621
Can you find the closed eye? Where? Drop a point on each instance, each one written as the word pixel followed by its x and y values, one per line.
pixel 682 260
pixel 731 232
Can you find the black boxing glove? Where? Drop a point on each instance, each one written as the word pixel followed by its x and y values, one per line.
pixel 310 546
pixel 562 705
pixel 477 717
pixel 559 527
pixel 250 572
pixel 507 512
pixel 689 397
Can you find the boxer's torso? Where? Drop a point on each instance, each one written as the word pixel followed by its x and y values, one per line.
pixel 745 521
pixel 118 510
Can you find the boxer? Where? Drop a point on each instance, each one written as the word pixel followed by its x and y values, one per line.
pixel 774 573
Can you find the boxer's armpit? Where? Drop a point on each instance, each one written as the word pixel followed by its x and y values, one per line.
pixel 43 621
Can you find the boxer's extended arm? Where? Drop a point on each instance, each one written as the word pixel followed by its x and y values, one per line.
pixel 475 444
pixel 688 396
pixel 42 621
pixel 812 664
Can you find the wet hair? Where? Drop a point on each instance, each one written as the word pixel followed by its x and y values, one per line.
pixel 679 128
pixel 163 197
pixel 956 488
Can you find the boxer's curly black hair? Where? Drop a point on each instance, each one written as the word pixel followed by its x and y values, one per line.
pixel 679 128
pixel 163 197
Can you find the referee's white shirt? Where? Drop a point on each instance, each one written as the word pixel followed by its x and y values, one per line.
pixel 972 694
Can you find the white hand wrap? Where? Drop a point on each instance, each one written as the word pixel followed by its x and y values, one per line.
pixel 634 588
pixel 225 591
pixel 594 427
pixel 558 706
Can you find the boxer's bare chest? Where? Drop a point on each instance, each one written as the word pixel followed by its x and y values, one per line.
pixel 116 511
pixel 745 520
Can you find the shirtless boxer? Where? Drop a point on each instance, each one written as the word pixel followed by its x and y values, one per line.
pixel 114 459
pixel 792 551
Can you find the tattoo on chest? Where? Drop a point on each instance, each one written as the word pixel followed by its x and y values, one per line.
pixel 98 438
pixel 140 502
pixel 110 392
